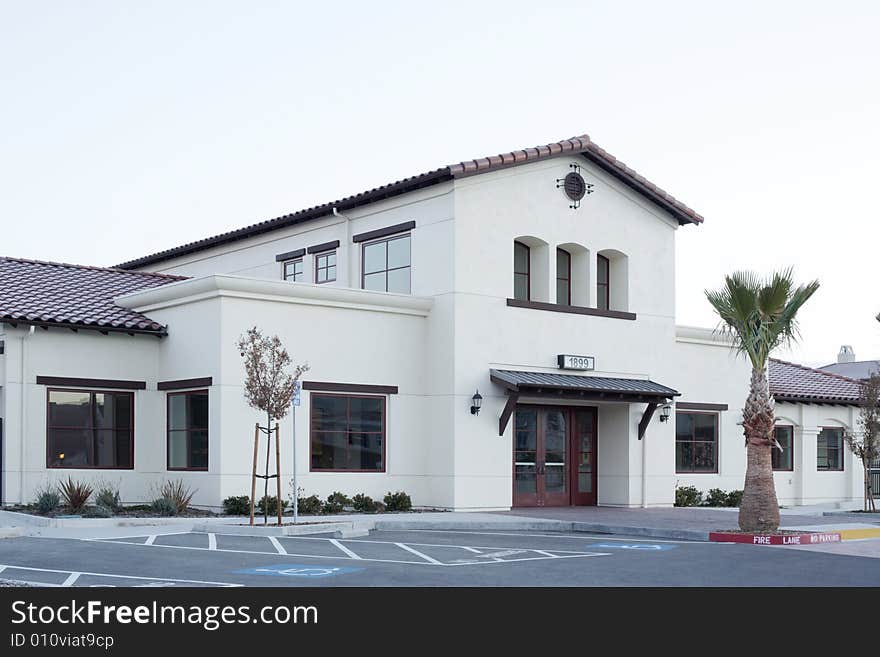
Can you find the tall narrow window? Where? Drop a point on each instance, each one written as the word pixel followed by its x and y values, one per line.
pixel 89 429
pixel 293 270
pixel 387 265
pixel 521 272
pixel 696 442
pixel 829 449
pixel 325 267
pixel 563 277
pixel 188 430
pixel 603 283
pixel 783 460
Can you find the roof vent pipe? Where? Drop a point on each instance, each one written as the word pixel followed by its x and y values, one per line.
pixel 846 354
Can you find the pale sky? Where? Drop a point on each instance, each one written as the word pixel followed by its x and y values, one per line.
pixel 130 127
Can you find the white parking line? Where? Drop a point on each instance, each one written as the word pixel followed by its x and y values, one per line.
pixel 72 576
pixel 212 541
pixel 274 541
pixel 71 579
pixel 351 554
pixel 419 554
pixel 150 539
pixel 604 537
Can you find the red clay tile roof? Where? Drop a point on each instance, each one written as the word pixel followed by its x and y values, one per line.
pixel 58 294
pixel 576 145
pixel 796 383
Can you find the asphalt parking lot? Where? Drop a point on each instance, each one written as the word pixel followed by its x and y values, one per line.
pixel 420 558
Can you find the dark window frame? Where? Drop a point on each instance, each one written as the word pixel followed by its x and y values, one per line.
pixel 840 449
pixel 606 292
pixel 326 267
pixel 384 432
pixel 293 261
pixel 91 392
pixel 189 429
pixel 775 454
pixel 527 273
pixel 566 278
pixel 387 270
pixel 716 442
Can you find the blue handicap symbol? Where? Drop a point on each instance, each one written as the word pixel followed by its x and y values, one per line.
pixel 640 547
pixel 298 570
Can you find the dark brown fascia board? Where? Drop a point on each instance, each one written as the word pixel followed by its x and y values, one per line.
pixel 699 406
pixel 326 246
pixel 383 232
pixel 91 383
pixel 815 400
pixel 160 333
pixel 637 187
pixel 575 310
pixel 180 384
pixel 358 200
pixel 290 255
pixel 326 386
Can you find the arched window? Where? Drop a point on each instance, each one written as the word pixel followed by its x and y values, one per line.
pixel 563 277
pixel 521 271
pixel 603 283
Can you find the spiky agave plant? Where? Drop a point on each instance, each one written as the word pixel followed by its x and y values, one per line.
pixel 759 314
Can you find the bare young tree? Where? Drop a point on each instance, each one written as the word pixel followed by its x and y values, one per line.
pixel 867 445
pixel 268 386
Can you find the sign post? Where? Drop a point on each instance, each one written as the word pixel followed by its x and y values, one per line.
pixel 294 402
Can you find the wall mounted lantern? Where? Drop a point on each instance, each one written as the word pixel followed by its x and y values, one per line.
pixel 665 411
pixel 476 403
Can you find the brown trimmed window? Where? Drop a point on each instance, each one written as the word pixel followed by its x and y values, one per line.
pixel 187 447
pixel 347 433
pixel 696 442
pixel 603 283
pixel 563 277
pixel 829 449
pixel 387 265
pixel 293 270
pixel 325 267
pixel 90 429
pixel 783 460
pixel 521 272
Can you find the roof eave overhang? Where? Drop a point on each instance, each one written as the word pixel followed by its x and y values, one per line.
pixel 798 399
pixel 73 326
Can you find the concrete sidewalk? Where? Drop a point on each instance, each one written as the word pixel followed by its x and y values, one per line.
pixel 692 523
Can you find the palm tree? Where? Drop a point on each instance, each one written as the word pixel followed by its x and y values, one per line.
pixel 759 315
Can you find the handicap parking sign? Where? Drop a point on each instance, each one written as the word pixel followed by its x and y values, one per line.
pixel 298 570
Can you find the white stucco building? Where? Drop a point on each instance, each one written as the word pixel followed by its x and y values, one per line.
pixel 406 300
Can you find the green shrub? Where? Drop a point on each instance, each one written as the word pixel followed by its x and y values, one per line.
pixel 365 503
pixel 75 494
pixel 271 504
pixel 98 511
pixel 716 497
pixel 163 506
pixel 310 506
pixel 398 501
pixel 687 496
pixel 108 497
pixel 237 505
pixel 734 498
pixel 177 494
pixel 336 502
pixel 47 500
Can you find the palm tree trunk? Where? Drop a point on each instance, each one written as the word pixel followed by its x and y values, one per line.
pixel 759 510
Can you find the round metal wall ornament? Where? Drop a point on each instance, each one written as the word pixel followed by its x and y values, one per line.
pixel 574 186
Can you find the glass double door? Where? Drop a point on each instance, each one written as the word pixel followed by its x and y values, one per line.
pixel 554 457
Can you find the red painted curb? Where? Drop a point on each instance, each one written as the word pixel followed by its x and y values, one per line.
pixel 811 538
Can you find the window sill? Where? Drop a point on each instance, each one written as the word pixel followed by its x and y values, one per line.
pixel 574 310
